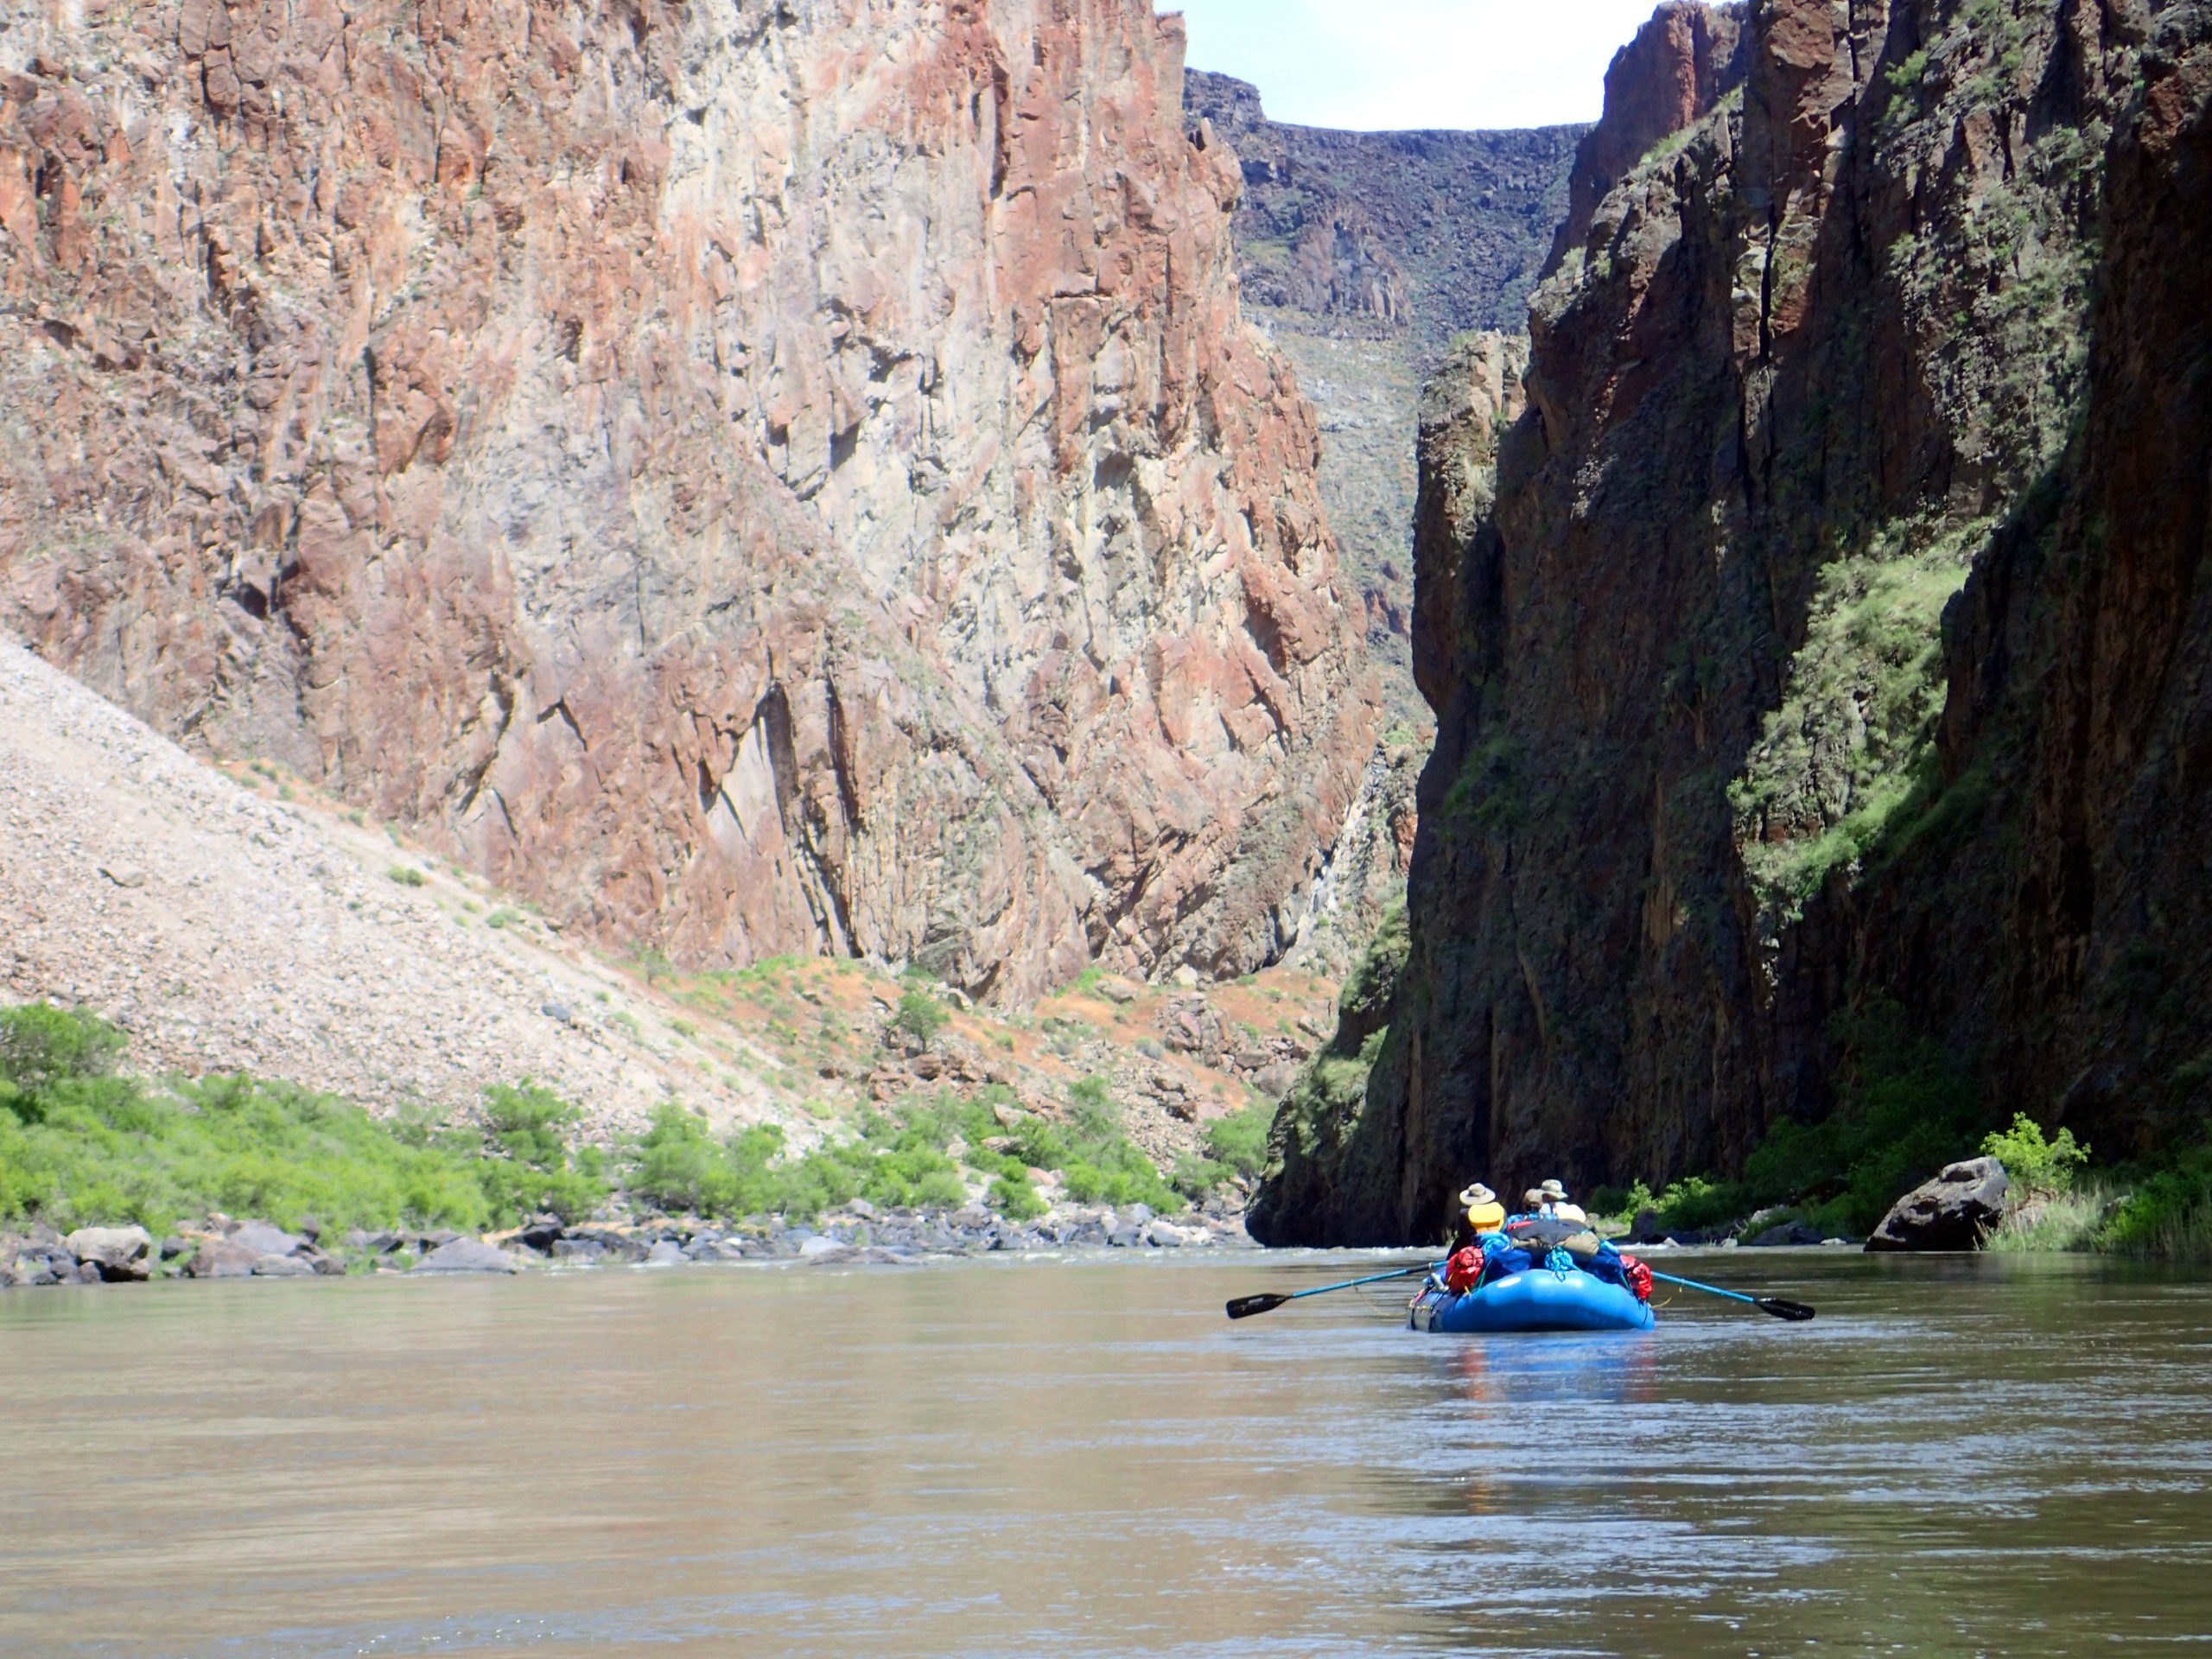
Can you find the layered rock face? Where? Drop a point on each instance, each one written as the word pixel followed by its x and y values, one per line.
pixel 1433 232
pixel 1824 699
pixel 751 477
pixel 1365 254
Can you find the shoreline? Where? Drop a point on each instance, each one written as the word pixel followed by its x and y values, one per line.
pixel 40 1257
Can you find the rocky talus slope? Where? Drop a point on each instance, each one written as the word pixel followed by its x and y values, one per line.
pixel 229 928
pixel 1825 710
pixel 748 478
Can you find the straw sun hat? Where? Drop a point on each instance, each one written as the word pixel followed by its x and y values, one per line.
pixel 1476 1195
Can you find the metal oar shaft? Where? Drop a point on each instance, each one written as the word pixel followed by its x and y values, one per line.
pixel 1371 1279
pixel 1797 1312
pixel 1692 1284
pixel 1245 1306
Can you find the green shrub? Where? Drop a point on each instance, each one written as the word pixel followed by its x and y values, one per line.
pixel 2168 1217
pixel 407 877
pixel 1017 1200
pixel 41 1044
pixel 2037 1165
pixel 1196 1177
pixel 112 1149
pixel 1090 1107
pixel 1621 1204
pixel 1239 1142
pixel 535 1168
pixel 921 1015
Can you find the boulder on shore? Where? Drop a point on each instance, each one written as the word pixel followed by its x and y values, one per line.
pixel 467 1255
pixel 218 1258
pixel 264 1240
pixel 119 1253
pixel 1954 1211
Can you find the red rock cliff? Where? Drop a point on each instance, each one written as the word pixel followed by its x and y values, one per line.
pixel 1823 704
pixel 753 479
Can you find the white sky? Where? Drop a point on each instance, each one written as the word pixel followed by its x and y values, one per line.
pixel 1371 64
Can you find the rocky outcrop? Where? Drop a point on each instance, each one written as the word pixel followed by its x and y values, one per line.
pixel 749 478
pixel 1822 704
pixel 1954 1211
pixel 1661 84
pixel 1433 232
pixel 1366 254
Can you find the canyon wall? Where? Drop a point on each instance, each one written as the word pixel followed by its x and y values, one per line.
pixel 750 477
pixel 1364 255
pixel 1822 660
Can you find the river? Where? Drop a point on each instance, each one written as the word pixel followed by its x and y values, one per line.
pixel 1030 1457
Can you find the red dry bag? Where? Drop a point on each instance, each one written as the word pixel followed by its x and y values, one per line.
pixel 1638 1277
pixel 1465 1271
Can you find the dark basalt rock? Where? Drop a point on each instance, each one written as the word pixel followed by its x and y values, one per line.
pixel 1953 1211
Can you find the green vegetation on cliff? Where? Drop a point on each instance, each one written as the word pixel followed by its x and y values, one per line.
pixel 1847 748
pixel 1321 1115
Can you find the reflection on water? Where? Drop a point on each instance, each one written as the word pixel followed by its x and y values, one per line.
pixel 1085 1458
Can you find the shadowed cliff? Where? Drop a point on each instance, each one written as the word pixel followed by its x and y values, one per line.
pixel 1822 697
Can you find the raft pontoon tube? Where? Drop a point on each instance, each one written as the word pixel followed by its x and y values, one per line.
pixel 1541 1298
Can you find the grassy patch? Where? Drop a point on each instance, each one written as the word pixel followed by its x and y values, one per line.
pixel 2070 1221
pixel 1847 747
pixel 79 1144
pixel 901 1160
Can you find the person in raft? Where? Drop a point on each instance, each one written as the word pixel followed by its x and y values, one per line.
pixel 1481 1232
pixel 1488 1249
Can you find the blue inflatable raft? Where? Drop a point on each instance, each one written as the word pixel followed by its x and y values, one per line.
pixel 1541 1298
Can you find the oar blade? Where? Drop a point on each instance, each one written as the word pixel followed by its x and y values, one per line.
pixel 1797 1312
pixel 1245 1306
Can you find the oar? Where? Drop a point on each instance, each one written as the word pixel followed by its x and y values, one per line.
pixel 1780 1310
pixel 1245 1306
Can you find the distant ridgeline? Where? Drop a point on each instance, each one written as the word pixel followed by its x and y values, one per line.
pixel 1825 697
pixel 1433 232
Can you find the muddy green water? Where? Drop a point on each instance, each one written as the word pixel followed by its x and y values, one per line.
pixel 1030 1457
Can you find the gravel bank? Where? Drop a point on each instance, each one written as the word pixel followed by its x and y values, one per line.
pixel 228 931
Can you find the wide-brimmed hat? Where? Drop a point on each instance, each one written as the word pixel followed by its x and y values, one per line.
pixel 1533 1199
pixel 1551 1190
pixel 1476 1193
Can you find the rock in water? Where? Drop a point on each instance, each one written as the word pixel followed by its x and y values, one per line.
pixel 119 1253
pixel 1952 1212
pixel 467 1255
pixel 666 1254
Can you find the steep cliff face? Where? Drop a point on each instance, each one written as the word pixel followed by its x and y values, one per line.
pixel 752 477
pixel 1364 254
pixel 1433 232
pixel 1827 690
